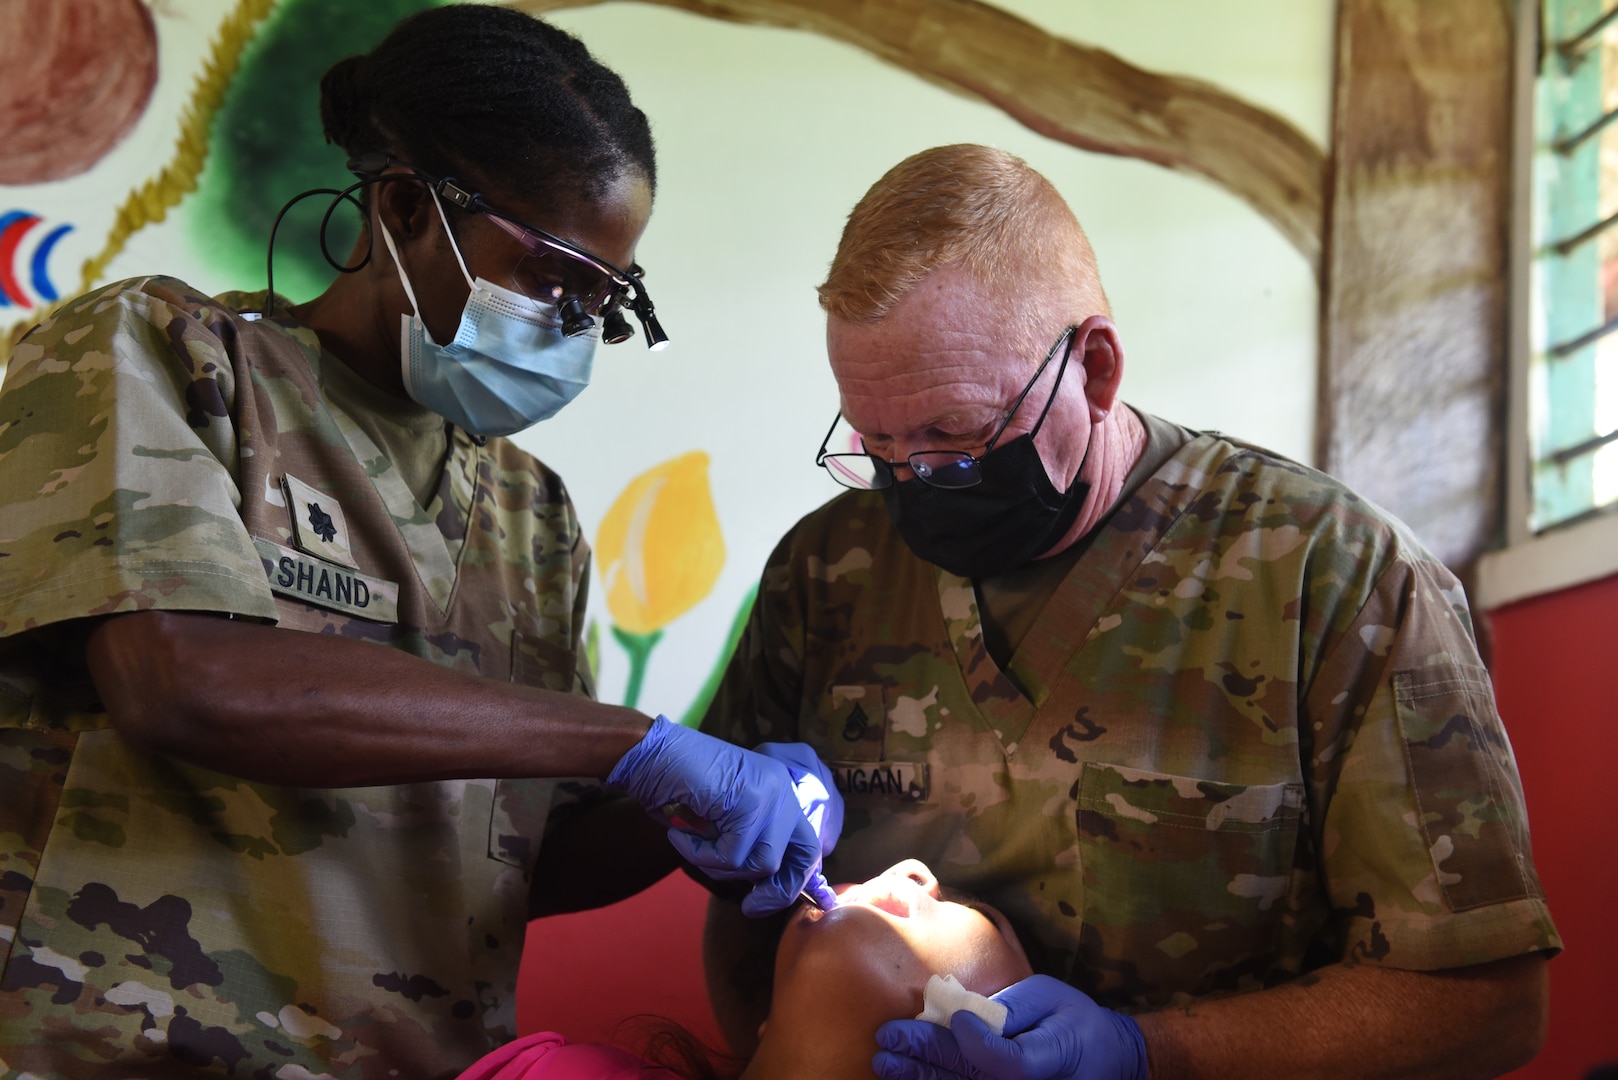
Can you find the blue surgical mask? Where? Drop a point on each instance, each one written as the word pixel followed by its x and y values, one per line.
pixel 509 365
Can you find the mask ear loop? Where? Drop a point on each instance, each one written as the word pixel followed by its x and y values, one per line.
pixel 410 294
pixel 453 246
pixel 398 268
pixel 398 265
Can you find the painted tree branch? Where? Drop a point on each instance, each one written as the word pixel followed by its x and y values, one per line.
pixel 1073 93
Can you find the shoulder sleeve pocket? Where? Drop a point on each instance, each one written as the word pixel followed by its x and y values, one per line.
pixel 1466 788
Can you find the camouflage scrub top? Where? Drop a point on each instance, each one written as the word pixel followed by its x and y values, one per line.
pixel 1248 735
pixel 157 450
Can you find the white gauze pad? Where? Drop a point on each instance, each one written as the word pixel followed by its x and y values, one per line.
pixel 945 996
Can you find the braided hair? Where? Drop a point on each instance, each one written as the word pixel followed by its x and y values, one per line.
pixel 496 98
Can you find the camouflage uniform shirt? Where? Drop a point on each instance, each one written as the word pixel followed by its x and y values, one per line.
pixel 157 450
pixel 1248 735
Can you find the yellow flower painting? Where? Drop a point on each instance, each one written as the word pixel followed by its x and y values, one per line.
pixel 659 551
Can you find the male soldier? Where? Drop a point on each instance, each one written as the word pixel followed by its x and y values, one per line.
pixel 1209 728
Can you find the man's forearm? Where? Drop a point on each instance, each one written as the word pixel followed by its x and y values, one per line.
pixel 1348 1022
pixel 315 710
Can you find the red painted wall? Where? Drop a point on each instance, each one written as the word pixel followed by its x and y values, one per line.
pixel 1556 679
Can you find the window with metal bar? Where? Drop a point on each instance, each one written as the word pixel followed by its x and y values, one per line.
pixel 1573 383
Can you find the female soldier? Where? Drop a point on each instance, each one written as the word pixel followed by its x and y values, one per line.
pixel 226 847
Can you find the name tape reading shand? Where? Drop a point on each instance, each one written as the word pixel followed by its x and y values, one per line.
pixel 301 577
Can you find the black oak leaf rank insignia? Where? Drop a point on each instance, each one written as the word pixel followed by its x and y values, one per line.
pixel 321 522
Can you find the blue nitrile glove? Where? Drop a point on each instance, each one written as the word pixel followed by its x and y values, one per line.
pixel 750 799
pixel 1053 1032
pixel 821 803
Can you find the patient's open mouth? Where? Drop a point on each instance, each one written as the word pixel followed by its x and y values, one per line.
pixel 891 903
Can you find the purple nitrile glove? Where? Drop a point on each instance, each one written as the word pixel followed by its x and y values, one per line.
pixel 749 799
pixel 1053 1032
pixel 821 803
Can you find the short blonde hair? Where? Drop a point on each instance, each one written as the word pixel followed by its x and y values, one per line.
pixel 975 206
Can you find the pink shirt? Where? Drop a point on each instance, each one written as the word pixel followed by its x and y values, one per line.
pixel 546 1055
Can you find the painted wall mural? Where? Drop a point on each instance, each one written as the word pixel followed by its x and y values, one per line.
pixel 267 142
pixel 252 127
pixel 1066 90
pixel 78 76
pixel 31 287
pixel 659 552
pixel 164 136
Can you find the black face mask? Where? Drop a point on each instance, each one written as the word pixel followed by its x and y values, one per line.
pixel 994 527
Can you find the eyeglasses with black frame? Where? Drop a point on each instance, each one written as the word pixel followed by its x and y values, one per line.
pixel 953 469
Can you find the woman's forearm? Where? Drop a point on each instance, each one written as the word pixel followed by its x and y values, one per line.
pixel 315 710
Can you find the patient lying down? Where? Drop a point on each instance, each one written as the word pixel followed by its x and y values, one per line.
pixel 839 975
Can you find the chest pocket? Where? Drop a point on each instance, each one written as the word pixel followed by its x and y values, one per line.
pixel 1185 882
pixel 517 820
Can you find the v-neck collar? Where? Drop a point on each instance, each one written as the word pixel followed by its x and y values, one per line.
pixel 1007 701
pixel 435 535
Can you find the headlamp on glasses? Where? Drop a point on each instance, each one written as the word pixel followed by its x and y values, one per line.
pixel 606 289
